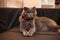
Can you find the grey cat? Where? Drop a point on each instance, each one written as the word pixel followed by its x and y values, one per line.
pixel 30 23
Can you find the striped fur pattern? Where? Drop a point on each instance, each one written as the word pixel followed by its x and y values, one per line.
pixel 30 23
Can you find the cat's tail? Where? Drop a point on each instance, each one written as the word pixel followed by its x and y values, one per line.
pixel 58 27
pixel 54 27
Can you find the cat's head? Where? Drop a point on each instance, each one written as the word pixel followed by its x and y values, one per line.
pixel 29 13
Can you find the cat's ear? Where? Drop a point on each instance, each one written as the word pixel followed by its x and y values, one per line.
pixel 25 8
pixel 34 8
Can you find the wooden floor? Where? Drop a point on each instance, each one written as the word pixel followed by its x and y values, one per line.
pixel 14 34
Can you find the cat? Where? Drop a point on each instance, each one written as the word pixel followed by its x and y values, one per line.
pixel 30 23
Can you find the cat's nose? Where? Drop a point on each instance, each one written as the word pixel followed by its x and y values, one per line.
pixel 31 18
pixel 30 15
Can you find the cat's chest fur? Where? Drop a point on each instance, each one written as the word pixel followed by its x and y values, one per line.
pixel 28 24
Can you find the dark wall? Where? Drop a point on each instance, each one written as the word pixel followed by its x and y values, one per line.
pixel 9 16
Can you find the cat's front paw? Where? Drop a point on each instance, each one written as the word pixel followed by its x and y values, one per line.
pixel 30 34
pixel 25 34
